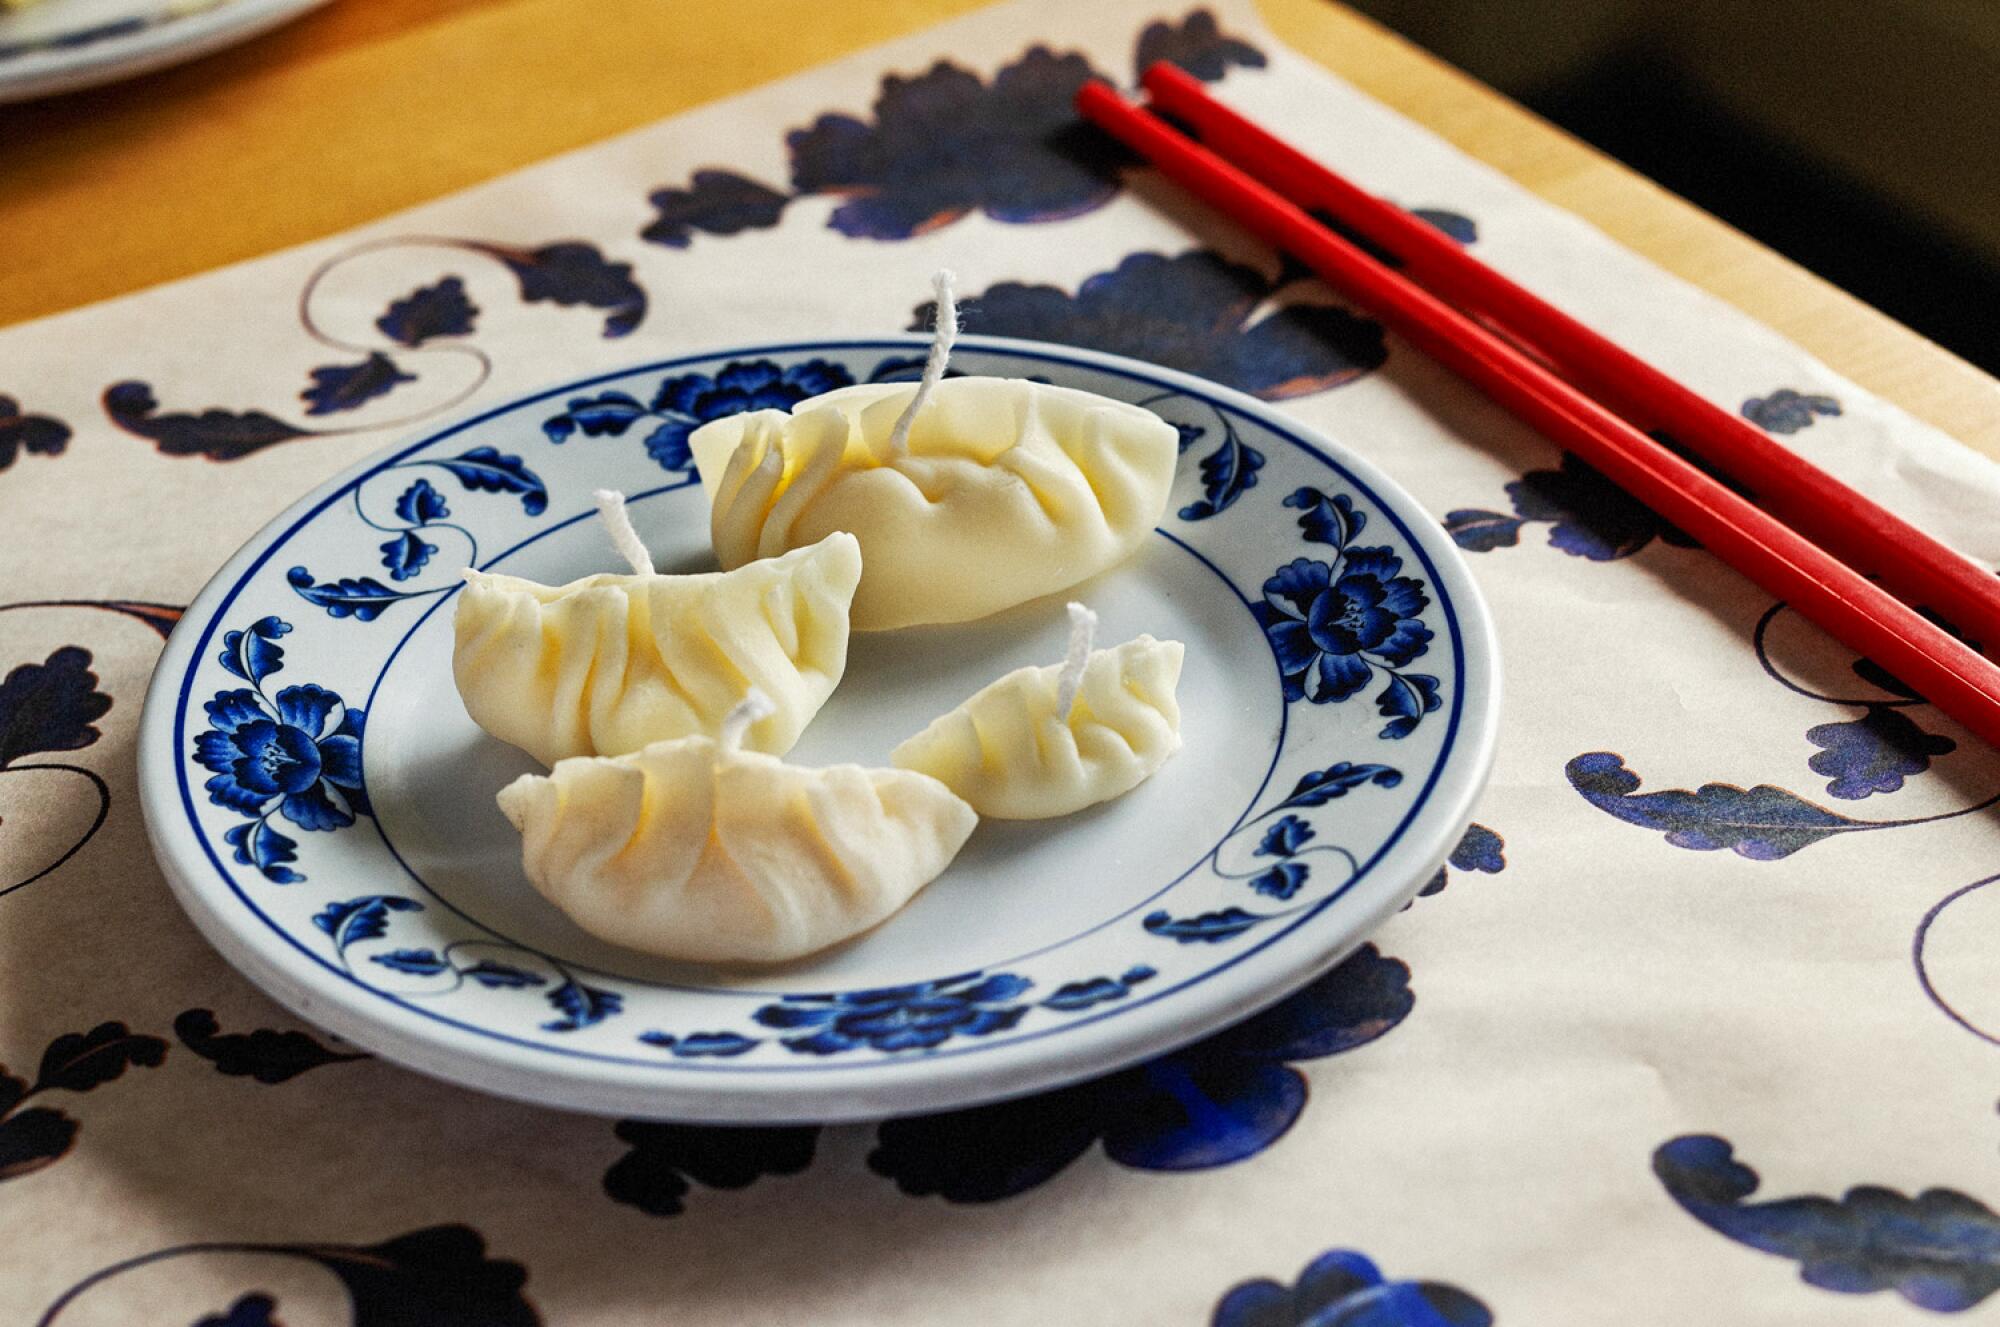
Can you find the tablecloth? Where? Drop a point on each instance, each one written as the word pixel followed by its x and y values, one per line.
pixel 1699 1024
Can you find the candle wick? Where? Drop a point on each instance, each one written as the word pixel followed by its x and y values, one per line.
pixel 946 321
pixel 754 708
pixel 618 524
pixel 1082 635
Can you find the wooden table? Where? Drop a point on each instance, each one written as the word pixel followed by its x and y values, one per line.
pixel 373 105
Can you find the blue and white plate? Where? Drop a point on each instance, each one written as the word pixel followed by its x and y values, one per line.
pixel 65 45
pixel 324 807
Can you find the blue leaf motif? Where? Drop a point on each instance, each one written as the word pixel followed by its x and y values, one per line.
pixel 361 597
pixel 255 654
pixel 1207 928
pixel 1454 224
pixel 1226 474
pixel 427 312
pixel 574 273
pixel 581 1006
pixel 1763 823
pixel 716 202
pixel 340 387
pixel 1936 1250
pixel 418 962
pixel 502 976
pixel 488 470
pixel 1480 531
pixel 421 504
pixel 1404 702
pixel 1874 753
pixel 220 435
pixel 405 556
pixel 1787 411
pixel 608 414
pixel 1281 881
pixel 50 706
pixel 1076 995
pixel 1284 838
pixel 252 1310
pixel 258 845
pixel 1320 786
pixel 1327 520
pixel 698 1045
pixel 365 918
pixel 23 434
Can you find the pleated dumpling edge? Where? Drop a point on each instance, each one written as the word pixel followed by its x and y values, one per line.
pixel 1008 490
pixel 608 664
pixel 692 851
pixel 1010 751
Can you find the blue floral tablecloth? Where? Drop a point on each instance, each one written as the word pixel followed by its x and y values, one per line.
pixel 1698 1025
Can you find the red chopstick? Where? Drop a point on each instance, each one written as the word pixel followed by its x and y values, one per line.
pixel 1854 529
pixel 1853 609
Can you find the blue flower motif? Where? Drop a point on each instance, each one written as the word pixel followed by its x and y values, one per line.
pixel 1787 411
pixel 297 754
pixel 919 1016
pixel 685 402
pixel 1219 1101
pixel 945 143
pixel 338 387
pixel 1939 1250
pixel 1191 312
pixel 1331 623
pixel 1341 1288
pixel 1874 753
pixel 690 400
pixel 285 755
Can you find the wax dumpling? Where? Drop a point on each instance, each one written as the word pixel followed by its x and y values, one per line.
pixel 1006 490
pixel 1015 753
pixel 694 850
pixel 611 663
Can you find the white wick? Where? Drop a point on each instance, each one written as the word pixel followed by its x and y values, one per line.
pixel 618 524
pixel 942 281
pixel 1082 635
pixel 754 708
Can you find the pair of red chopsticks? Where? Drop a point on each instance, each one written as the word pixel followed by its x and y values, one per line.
pixel 1814 541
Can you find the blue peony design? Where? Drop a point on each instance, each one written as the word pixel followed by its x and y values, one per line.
pixel 685 402
pixel 1327 623
pixel 1342 1288
pixel 1191 312
pixel 947 143
pixel 295 755
pixel 289 755
pixel 919 1016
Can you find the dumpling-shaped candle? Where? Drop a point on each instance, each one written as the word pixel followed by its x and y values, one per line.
pixel 695 849
pixel 969 495
pixel 608 664
pixel 1044 742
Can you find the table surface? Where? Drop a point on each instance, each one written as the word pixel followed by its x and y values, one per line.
pixel 361 109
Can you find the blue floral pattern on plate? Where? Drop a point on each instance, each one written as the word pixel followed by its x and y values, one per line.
pixel 1274 523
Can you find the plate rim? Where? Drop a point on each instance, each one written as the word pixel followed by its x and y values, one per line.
pixel 494 1062
pixel 52 70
